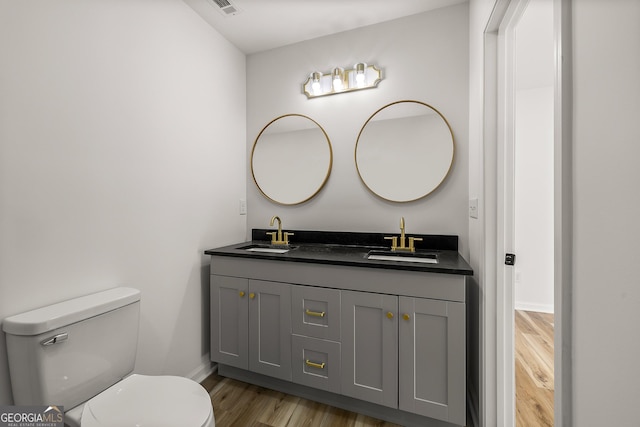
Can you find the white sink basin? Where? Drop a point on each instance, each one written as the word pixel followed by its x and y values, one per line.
pixel 403 257
pixel 267 249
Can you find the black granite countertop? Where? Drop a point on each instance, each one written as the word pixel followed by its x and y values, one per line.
pixel 351 249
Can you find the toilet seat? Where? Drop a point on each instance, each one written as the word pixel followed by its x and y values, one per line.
pixel 153 401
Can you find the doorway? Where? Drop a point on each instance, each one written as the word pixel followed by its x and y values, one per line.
pixel 533 228
pixel 501 107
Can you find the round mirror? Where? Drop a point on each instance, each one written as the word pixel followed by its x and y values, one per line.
pixel 404 151
pixel 291 159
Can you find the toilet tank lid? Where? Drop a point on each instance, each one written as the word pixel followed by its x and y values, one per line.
pixel 64 313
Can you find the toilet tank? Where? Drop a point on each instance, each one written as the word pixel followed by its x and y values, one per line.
pixel 66 353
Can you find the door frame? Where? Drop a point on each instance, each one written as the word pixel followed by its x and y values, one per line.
pixel 505 213
pixel 498 190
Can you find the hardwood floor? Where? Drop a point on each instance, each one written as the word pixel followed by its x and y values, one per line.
pixel 239 404
pixel 534 368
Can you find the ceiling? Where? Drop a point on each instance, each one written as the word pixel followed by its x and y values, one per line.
pixel 260 25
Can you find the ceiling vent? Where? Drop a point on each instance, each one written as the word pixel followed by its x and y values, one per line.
pixel 225 7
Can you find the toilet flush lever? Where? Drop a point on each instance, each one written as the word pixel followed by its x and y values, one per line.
pixel 55 339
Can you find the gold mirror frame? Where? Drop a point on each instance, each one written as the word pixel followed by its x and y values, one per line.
pixel 399 171
pixel 290 167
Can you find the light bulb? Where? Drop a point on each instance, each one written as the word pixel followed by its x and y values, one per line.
pixel 360 74
pixel 315 83
pixel 337 75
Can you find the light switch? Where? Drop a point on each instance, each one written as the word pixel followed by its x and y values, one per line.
pixel 243 207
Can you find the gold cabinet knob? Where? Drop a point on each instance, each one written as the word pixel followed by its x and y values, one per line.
pixel 252 295
pixel 241 293
pixel 406 316
pixel 389 315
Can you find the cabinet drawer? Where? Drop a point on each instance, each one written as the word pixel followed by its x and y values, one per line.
pixel 316 363
pixel 316 312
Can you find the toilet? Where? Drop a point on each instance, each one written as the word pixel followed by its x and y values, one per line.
pixel 80 353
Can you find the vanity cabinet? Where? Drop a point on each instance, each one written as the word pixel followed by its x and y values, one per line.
pixel 251 325
pixel 385 342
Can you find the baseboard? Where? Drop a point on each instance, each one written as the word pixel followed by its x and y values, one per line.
pixel 541 308
pixel 202 371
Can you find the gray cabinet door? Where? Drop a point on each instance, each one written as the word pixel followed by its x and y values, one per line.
pixel 370 347
pixel 270 328
pixel 432 358
pixel 229 321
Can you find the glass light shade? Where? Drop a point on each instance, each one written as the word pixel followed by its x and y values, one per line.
pixel 361 76
pixel 316 85
pixel 338 78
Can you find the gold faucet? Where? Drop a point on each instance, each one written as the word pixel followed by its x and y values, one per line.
pixel 277 237
pixel 403 247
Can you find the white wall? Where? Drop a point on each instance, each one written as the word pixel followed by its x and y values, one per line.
pixel 606 302
pixel 534 199
pixel 423 57
pixel 122 158
pixel 534 115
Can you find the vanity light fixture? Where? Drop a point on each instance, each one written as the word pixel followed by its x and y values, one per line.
pixel 339 80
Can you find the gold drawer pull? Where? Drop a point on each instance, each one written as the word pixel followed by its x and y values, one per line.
pixel 314 313
pixel 390 315
pixel 252 295
pixel 314 365
pixel 241 294
pixel 406 316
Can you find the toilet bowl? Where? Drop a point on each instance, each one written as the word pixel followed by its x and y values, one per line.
pixel 141 400
pixel 80 354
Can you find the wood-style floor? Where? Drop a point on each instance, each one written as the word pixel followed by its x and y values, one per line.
pixel 534 369
pixel 239 404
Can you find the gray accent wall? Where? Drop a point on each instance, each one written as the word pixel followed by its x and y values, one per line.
pixel 424 57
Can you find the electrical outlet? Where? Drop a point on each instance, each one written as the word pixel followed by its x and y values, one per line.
pixel 473 208
pixel 243 207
